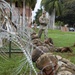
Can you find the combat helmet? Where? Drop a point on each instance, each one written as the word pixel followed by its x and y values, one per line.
pixel 34 36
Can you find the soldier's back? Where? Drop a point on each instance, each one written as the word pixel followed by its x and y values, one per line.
pixel 65 67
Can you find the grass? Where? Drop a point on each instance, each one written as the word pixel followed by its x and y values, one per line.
pixel 7 66
pixel 11 65
pixel 60 39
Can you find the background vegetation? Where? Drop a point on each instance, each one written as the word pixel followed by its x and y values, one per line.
pixel 64 10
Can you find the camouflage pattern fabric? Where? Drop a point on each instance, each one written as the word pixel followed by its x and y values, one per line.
pixel 65 67
pixel 43 27
pixel 43 20
pixel 34 36
pixel 38 51
pixel 37 42
pixel 46 59
pixel 50 64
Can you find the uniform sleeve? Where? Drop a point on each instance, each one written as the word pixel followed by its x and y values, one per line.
pixel 40 20
pixel 47 20
pixel 43 20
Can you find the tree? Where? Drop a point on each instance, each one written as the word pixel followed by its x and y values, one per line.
pixel 68 14
pixel 52 7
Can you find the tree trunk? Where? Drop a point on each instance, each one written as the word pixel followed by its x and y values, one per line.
pixel 23 27
pixel 52 20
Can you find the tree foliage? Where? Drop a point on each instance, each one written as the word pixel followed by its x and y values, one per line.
pixel 68 14
pixel 65 9
pixel 50 5
pixel 38 14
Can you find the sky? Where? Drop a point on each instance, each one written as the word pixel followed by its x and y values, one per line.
pixel 37 6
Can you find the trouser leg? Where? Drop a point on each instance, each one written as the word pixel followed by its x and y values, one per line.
pixel 45 33
pixel 40 33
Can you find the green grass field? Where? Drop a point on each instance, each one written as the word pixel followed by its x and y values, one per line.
pixel 63 39
pixel 60 39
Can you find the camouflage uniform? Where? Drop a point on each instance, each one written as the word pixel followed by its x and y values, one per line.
pixel 38 51
pixel 49 64
pixel 34 36
pixel 65 67
pixel 48 43
pixel 35 40
pixel 43 26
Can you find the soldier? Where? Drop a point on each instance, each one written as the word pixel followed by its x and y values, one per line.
pixel 35 39
pixel 35 25
pixel 63 49
pixel 38 51
pixel 43 25
pixel 50 64
pixel 34 36
pixel 48 41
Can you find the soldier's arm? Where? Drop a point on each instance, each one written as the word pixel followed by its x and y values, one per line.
pixel 47 20
pixel 41 20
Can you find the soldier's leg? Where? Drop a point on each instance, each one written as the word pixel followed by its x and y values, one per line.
pixel 45 34
pixel 40 33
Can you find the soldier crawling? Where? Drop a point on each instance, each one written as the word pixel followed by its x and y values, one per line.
pixel 47 63
pixel 48 42
pixel 63 49
pixel 35 39
pixel 50 64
